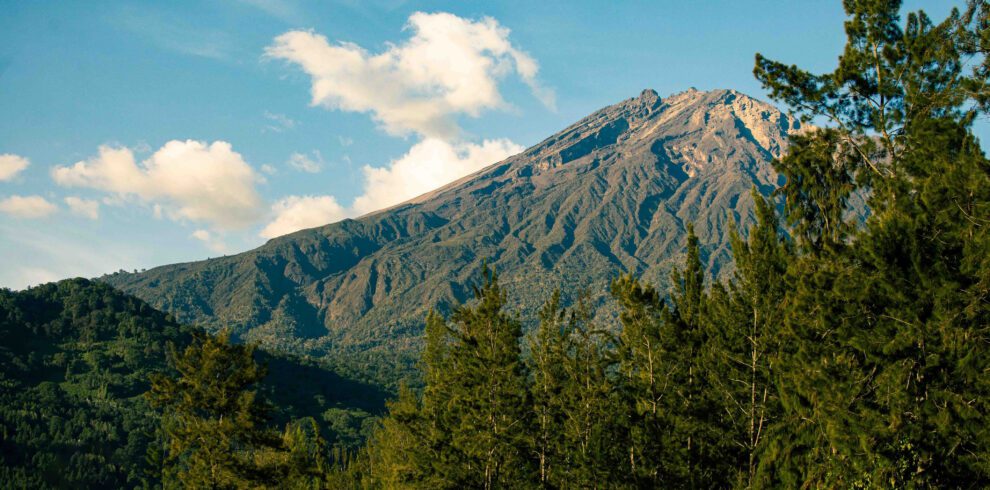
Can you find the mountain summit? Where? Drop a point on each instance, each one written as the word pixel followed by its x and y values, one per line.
pixel 612 193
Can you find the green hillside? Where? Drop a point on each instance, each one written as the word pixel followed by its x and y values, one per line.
pixel 75 360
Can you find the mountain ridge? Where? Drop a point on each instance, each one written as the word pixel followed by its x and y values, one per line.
pixel 610 193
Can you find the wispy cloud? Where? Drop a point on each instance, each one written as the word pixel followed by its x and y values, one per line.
pixel 307 163
pixel 449 67
pixel 86 208
pixel 429 164
pixel 189 180
pixel 284 10
pixel 11 165
pixel 278 123
pixel 295 213
pixel 174 33
pixel 212 241
pixel 27 207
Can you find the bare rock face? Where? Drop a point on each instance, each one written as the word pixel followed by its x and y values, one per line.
pixel 612 193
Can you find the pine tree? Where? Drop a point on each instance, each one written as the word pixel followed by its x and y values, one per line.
pixel 412 448
pixel 213 416
pixel 575 429
pixel 747 319
pixel 398 454
pixel 879 383
pixel 548 348
pixel 645 380
pixel 471 427
pixel 592 433
pixel 301 459
pixel 443 465
pixel 697 441
pixel 487 409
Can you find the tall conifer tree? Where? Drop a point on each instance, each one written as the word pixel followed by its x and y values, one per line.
pixel 213 416
pixel 747 319
pixel 487 383
pixel 697 447
pixel 885 325
pixel 645 380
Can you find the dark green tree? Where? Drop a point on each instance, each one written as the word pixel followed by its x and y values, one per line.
pixel 412 447
pixel 696 453
pixel 548 349
pixel 300 461
pixel 398 454
pixel 747 319
pixel 471 427
pixel 576 431
pixel 645 380
pixel 487 407
pixel 885 319
pixel 213 419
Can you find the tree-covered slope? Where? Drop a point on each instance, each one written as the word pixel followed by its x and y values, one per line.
pixel 612 193
pixel 75 360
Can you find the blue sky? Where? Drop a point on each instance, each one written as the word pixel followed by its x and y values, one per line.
pixel 160 132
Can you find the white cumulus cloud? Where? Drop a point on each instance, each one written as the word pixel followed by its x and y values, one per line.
pixel 429 164
pixel 27 207
pixel 190 180
pixel 295 213
pixel 11 165
pixel 83 207
pixel 449 66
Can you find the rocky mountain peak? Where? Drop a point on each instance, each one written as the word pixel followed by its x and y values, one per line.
pixel 695 129
pixel 649 99
pixel 611 193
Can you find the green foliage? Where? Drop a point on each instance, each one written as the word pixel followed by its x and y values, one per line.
pixel 840 354
pixel 743 350
pixel 644 377
pixel 575 430
pixel 469 429
pixel 213 420
pixel 486 398
pixel 878 375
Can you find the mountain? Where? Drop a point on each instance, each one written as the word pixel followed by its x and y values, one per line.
pixel 76 358
pixel 614 192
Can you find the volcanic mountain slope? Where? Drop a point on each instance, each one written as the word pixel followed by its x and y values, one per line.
pixel 612 193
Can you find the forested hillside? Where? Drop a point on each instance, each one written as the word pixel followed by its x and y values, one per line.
pixel 75 362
